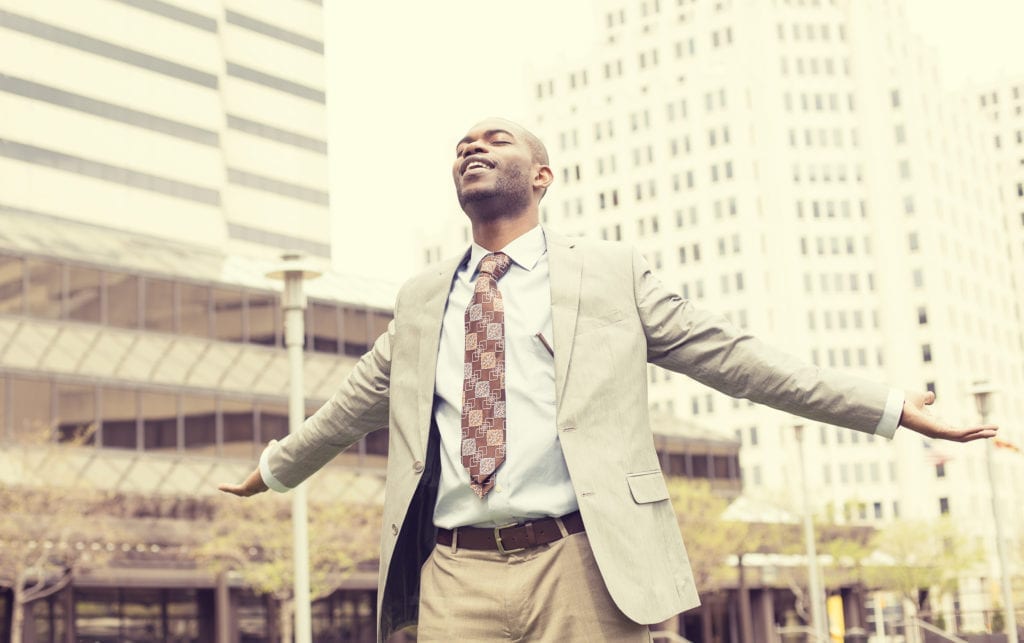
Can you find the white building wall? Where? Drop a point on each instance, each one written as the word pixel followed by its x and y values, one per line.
pixel 195 121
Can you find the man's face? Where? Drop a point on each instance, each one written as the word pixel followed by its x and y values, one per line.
pixel 494 162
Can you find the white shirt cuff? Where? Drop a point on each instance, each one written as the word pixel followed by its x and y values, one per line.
pixel 890 421
pixel 265 473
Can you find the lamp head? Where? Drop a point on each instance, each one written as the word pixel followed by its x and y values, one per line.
pixel 982 391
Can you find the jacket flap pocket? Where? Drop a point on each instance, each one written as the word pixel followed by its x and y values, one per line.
pixel 648 486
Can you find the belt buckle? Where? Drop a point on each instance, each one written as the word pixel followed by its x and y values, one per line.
pixel 497 539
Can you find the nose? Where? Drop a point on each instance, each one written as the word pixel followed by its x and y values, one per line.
pixel 474 147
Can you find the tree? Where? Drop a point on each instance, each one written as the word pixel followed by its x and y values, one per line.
pixel 52 526
pixel 253 537
pixel 921 556
pixel 710 538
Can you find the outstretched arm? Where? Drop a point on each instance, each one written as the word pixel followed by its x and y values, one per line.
pixel 359 406
pixel 916 418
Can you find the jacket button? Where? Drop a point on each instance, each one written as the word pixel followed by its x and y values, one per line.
pixel 417 466
pixel 394 529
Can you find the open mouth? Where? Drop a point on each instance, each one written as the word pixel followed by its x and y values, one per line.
pixel 476 164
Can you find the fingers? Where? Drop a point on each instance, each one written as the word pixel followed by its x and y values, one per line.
pixel 980 433
pixel 929 398
pixel 969 434
pixel 233 489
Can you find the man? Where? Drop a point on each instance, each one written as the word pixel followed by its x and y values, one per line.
pixel 513 383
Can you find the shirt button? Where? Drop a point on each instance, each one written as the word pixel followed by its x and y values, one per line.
pixel 417 466
pixel 498 489
pixel 394 529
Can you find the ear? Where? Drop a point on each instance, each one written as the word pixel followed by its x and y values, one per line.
pixel 542 177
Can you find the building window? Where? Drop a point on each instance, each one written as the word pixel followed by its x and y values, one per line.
pixel 84 296
pixel 118 424
pixel 76 412
pixel 926 353
pixel 29 407
pixel 943 506
pixel 160 299
pixel 45 288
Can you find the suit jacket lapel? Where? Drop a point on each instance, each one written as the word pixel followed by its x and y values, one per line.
pixel 431 315
pixel 566 271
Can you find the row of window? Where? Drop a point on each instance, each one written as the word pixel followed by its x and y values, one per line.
pixel 846 357
pixel 201 77
pixel 830 209
pixel 837 282
pixel 818 102
pixel 993 97
pixel 834 246
pixel 820 137
pixel 51 289
pixel 140 419
pixel 809 32
pixel 839 319
pixel 1019 135
pixel 826 172
pixel 813 66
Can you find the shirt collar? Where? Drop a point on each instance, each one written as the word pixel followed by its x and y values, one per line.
pixel 525 251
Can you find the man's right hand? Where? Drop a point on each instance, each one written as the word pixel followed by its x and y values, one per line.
pixel 250 487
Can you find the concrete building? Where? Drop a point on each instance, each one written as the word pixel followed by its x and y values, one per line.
pixel 1002 109
pixel 795 165
pixel 155 160
pixel 199 121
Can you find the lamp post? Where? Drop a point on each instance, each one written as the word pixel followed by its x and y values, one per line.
pixel 813 573
pixel 293 270
pixel 982 391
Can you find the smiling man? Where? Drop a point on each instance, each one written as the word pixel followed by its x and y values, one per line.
pixel 524 497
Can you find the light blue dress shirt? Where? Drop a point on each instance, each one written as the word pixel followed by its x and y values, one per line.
pixel 533 482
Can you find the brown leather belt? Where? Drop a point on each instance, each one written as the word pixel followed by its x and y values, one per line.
pixel 511 538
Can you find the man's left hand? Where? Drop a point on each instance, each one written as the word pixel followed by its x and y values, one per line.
pixel 916 418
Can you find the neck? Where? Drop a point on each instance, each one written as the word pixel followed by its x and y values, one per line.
pixel 495 234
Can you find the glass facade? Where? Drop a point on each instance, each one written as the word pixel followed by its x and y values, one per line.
pixel 346 617
pixel 142 615
pixel 140 418
pixel 52 289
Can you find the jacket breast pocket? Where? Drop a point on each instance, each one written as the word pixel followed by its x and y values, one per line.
pixel 647 486
pixel 591 323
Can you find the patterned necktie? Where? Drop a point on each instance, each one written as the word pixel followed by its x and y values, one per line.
pixel 483 386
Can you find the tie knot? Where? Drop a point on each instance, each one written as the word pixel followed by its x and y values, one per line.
pixel 495 264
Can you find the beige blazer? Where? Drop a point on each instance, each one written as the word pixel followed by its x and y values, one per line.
pixel 611 317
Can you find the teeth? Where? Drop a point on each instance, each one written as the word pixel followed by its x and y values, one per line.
pixel 474 165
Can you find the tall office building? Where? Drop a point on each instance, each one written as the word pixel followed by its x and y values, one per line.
pixel 200 121
pixel 1002 108
pixel 156 157
pixel 795 165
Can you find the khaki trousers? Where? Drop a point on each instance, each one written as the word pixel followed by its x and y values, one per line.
pixel 543 594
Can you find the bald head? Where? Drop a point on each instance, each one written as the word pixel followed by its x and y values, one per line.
pixel 537 148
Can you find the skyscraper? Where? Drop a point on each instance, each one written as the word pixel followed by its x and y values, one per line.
pixel 156 157
pixel 204 122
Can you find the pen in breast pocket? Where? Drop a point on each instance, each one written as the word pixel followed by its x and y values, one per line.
pixel 547 346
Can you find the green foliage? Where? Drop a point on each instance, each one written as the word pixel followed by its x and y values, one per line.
pixel 923 555
pixel 52 526
pixel 710 539
pixel 253 537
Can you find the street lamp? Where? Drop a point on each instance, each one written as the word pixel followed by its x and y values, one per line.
pixel 982 391
pixel 293 270
pixel 813 573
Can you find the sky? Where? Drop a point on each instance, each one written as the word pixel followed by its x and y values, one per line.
pixel 407 79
